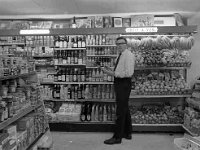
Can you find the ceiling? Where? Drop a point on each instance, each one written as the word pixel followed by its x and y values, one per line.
pixel 68 8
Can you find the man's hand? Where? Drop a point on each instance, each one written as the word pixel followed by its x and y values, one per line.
pixel 108 71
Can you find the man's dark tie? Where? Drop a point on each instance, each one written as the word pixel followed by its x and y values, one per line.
pixel 117 61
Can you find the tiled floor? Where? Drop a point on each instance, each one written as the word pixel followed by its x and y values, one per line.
pixel 94 141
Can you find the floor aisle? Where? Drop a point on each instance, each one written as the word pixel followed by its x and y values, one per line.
pixel 94 141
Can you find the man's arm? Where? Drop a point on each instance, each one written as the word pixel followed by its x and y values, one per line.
pixel 108 71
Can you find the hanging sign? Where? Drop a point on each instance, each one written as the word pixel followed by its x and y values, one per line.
pixel 145 29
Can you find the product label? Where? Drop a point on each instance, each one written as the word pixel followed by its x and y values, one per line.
pixel 146 29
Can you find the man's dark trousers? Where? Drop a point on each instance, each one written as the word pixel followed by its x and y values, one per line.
pixel 123 124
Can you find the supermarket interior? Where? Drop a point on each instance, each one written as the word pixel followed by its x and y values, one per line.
pixel 56 95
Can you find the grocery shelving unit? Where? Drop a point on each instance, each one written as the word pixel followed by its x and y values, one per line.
pixel 167 30
pixel 24 111
pixel 29 74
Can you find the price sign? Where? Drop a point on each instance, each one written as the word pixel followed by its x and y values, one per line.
pixel 146 29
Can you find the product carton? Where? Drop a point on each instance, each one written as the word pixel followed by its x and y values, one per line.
pixel 98 21
pixel 107 22
pixel 126 22
pixel 25 123
pixel 142 20
pixel 4 140
pixel 164 21
pixel 12 131
pixel 83 23
pixel 45 142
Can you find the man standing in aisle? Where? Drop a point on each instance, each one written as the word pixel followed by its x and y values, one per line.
pixel 123 72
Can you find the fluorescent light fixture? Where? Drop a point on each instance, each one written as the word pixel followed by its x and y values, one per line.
pixel 36 31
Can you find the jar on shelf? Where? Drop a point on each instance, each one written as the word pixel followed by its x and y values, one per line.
pixel 4 91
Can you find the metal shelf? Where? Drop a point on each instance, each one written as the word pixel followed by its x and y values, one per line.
pixel 192 139
pixel 159 68
pixel 112 122
pixel 122 30
pixel 158 125
pixel 82 100
pixel 36 140
pixel 73 65
pixel 83 122
pixel 119 30
pixel 17 76
pixel 76 83
pixel 44 65
pixel 158 96
pixel 5 44
pixel 42 56
pixel 188 131
pixel 101 46
pixel 67 48
pixel 101 55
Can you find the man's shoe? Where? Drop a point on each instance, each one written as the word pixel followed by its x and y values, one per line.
pixel 128 136
pixel 113 141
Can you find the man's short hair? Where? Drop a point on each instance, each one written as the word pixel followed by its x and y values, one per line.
pixel 121 38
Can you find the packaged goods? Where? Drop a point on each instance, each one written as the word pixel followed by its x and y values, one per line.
pixel 44 143
pixel 142 20
pixel 126 22
pixel 83 23
pixel 12 131
pixel 107 22
pixel 24 123
pixel 98 21
pixel 117 21
pixel 4 140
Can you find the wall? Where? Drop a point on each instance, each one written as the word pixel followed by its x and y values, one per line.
pixel 194 71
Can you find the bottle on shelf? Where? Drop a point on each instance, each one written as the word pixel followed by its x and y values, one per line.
pixel 67 73
pixel 64 57
pixel 87 92
pixel 72 59
pixel 79 92
pixel 80 59
pixel 82 115
pixel 68 57
pixel 71 75
pixel 96 113
pixel 56 77
pixel 75 92
pixel 75 57
pixel 93 112
pixel 109 114
pixel 105 113
pixel 100 113
pixel 69 92
pixel 63 75
pixel 88 112
pixel 83 44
